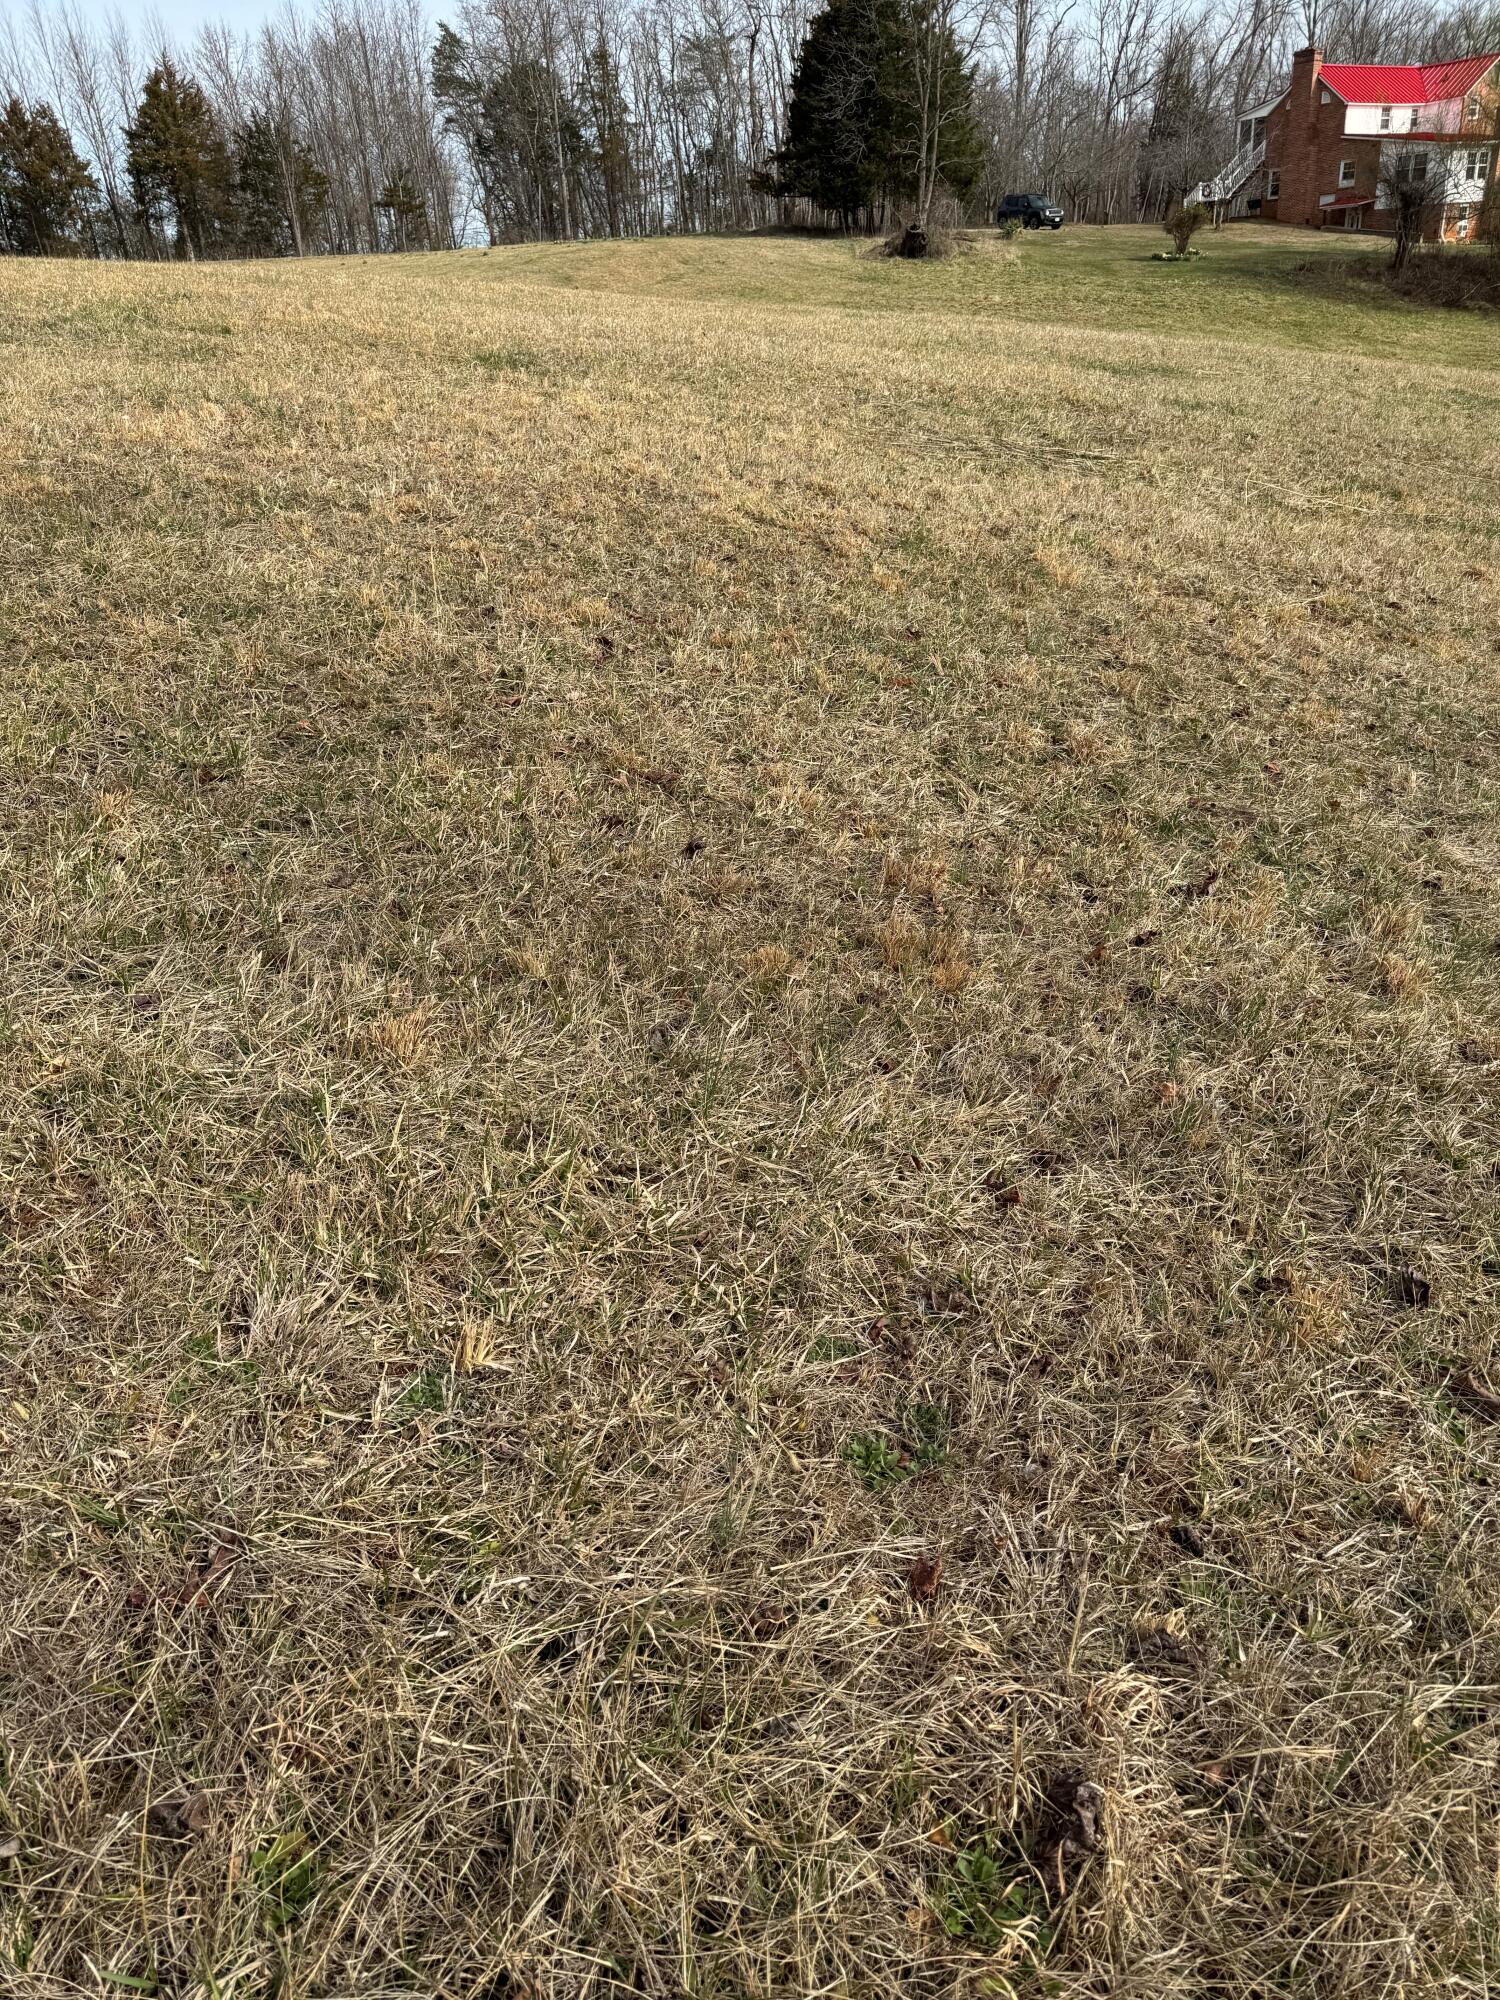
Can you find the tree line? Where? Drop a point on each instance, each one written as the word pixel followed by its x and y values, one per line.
pixel 376 125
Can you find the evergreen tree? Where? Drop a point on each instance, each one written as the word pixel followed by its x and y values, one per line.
pixel 608 133
pixel 280 188
pixel 463 96
pixel 46 190
pixel 180 169
pixel 852 131
pixel 400 201
pixel 840 122
pixel 523 137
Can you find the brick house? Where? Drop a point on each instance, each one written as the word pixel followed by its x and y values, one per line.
pixel 1313 155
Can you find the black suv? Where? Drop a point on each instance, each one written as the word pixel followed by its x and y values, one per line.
pixel 1033 211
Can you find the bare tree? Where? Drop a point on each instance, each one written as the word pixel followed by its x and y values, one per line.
pixel 943 38
pixel 1412 187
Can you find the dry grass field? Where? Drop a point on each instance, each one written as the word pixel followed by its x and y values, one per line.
pixel 748 1128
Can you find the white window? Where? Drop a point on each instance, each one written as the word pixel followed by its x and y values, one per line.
pixel 1346 173
pixel 1473 109
pixel 1462 229
pixel 1273 184
pixel 1412 116
pixel 1477 165
pixel 1385 118
pixel 1328 97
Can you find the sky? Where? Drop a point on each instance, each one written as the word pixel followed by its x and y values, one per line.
pixel 181 18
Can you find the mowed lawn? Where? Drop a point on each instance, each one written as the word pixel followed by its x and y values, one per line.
pixel 749 1143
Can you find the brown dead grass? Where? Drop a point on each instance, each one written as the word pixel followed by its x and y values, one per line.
pixel 626 1025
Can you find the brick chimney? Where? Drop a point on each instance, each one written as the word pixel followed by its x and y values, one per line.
pixel 1307 67
pixel 1304 142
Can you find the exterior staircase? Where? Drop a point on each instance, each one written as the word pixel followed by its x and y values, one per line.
pixel 1228 181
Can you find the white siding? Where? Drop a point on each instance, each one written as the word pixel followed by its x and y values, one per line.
pixel 1364 119
pixel 1463 187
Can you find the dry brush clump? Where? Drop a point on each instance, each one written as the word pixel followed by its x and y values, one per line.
pixel 749 1246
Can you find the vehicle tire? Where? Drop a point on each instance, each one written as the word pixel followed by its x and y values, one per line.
pixel 1032 223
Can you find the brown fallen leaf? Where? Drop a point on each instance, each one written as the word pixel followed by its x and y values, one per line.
pixel 225 1552
pixel 1472 1392
pixel 1191 891
pixel 1409 1288
pixel 1158 1647
pixel 1004 1193
pixel 769 1619
pixel 924 1576
pixel 179 1815
pixel 1076 1810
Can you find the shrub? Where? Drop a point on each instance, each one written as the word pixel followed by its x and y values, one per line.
pixel 1434 277
pixel 1011 228
pixel 1183 224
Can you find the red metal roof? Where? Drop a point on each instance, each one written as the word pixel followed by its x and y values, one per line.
pixel 1404 83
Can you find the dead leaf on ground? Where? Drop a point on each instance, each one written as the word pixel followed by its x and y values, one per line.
pixel 179 1815
pixel 1192 891
pixel 10 1847
pixel 924 1576
pixel 896 1341
pixel 1160 1648
pixel 769 1619
pixel 1409 1288
pixel 1076 1812
pixel 1187 1537
pixel 225 1552
pixel 1473 1393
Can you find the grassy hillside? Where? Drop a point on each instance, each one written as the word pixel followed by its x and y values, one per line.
pixel 1251 285
pixel 749 1061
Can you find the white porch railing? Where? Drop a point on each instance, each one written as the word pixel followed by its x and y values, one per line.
pixel 1228 181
